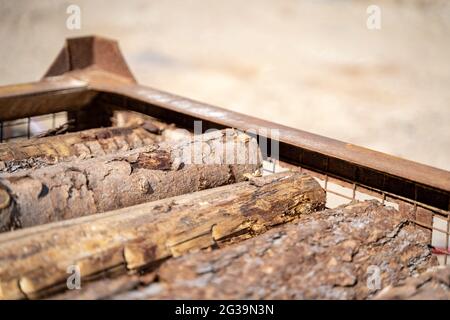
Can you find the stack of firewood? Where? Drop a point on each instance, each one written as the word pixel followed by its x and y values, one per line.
pixel 147 210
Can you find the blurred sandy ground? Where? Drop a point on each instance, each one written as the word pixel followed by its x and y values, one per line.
pixel 312 65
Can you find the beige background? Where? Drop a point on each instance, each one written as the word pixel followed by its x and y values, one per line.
pixel 312 65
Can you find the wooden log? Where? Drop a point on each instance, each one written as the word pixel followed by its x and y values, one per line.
pixel 79 188
pixel 34 261
pixel 333 254
pixel 43 151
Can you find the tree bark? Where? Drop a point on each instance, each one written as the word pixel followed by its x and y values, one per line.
pixel 333 254
pixel 39 152
pixel 34 261
pixel 84 187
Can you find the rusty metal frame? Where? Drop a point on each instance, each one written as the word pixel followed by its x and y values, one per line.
pixel 92 69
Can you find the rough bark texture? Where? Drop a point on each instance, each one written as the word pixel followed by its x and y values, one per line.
pixel 434 284
pixel 39 152
pixel 84 187
pixel 326 255
pixel 34 261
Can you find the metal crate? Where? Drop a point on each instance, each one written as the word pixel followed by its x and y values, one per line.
pixel 90 79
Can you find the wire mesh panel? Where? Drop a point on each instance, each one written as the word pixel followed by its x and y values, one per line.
pixel 341 192
pixel 26 128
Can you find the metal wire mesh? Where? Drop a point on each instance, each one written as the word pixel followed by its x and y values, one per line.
pixel 26 128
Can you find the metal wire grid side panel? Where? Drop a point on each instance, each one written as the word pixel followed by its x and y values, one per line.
pixel 341 192
pixel 26 128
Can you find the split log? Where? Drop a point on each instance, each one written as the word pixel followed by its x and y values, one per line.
pixel 43 151
pixel 434 284
pixel 74 189
pixel 326 255
pixel 34 261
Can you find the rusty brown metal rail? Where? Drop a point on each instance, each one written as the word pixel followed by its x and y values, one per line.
pixel 91 72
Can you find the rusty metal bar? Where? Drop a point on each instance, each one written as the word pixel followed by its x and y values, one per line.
pixel 43 97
